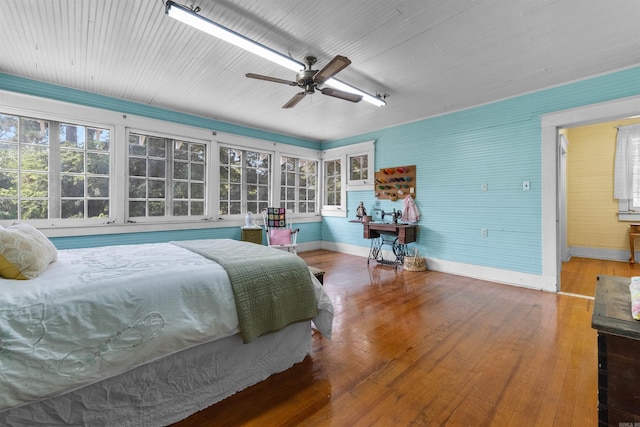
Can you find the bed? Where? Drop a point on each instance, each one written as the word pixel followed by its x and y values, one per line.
pixel 146 335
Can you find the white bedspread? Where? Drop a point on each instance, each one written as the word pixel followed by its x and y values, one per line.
pixel 98 312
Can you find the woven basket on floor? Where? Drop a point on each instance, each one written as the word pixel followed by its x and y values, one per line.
pixel 415 262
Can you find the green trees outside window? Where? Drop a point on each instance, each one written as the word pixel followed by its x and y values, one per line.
pixel 50 169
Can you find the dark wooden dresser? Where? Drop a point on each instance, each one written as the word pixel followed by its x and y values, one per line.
pixel 618 353
pixel 251 234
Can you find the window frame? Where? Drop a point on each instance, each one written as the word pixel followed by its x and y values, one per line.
pixel 118 123
pixel 344 154
pixel 54 197
pixel 243 180
pixel 45 108
pixel 359 184
pixel 297 187
pixel 326 207
pixel 627 210
pixel 277 151
pixel 168 178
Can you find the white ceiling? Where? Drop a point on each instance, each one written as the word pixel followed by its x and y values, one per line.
pixel 430 56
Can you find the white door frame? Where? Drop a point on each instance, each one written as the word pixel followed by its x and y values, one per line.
pixel 563 145
pixel 551 123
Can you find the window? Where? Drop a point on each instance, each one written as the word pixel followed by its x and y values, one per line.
pixel 298 184
pixel 53 170
pixel 360 161
pixel 333 182
pixel 635 156
pixel 627 172
pixel 358 158
pixel 129 174
pixel 358 168
pixel 244 181
pixel 167 177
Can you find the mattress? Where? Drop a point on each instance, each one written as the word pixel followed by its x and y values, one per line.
pixel 97 313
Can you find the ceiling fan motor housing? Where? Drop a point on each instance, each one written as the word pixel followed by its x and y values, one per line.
pixel 305 80
pixel 309 80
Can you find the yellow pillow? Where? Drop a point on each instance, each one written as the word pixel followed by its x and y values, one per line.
pixel 24 252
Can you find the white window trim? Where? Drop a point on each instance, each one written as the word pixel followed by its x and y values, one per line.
pixel 243 183
pixel 361 149
pixel 626 210
pixel 164 219
pixel 119 124
pixel 334 210
pixel 52 115
pixel 284 150
pixel 301 154
pixel 343 154
pixel 277 151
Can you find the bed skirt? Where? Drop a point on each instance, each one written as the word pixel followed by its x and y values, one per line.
pixel 172 388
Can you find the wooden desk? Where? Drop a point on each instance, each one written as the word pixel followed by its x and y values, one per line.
pixel 634 231
pixel 618 349
pixel 396 235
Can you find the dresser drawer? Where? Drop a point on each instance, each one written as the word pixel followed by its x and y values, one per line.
pixel 253 235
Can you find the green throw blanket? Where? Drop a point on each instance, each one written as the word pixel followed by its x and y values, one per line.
pixel 272 288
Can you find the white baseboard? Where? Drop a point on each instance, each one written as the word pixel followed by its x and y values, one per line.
pixel 599 253
pixel 507 277
pixel 309 246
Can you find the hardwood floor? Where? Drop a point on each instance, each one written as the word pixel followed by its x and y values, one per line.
pixel 579 274
pixel 431 349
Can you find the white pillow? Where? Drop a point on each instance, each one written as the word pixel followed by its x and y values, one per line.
pixel 24 252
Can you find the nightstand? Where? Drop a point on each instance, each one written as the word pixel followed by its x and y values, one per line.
pixel 252 234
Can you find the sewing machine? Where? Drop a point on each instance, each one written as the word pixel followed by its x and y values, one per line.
pixel 396 215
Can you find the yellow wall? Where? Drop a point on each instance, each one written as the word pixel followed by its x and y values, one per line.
pixel 592 219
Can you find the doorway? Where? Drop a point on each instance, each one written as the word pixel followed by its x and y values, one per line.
pixel 552 249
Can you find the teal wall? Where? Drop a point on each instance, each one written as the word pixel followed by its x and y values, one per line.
pixel 309 232
pixel 498 144
pixel 148 237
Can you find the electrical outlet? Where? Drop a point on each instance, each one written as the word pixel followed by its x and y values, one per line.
pixel 526 185
pixel 485 232
pixel 484 187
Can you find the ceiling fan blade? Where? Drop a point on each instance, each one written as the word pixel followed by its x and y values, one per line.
pixel 294 101
pixel 347 96
pixel 334 66
pixel 271 79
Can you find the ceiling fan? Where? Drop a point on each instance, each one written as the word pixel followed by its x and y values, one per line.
pixel 311 80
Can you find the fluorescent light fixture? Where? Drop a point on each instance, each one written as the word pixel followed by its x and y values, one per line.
pixel 189 17
pixel 340 85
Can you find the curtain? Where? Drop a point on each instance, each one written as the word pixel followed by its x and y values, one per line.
pixel 623 167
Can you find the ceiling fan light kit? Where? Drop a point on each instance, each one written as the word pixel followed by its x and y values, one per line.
pixel 307 78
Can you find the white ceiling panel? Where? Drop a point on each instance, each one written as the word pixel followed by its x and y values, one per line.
pixel 430 57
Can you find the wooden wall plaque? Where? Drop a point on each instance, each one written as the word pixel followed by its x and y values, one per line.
pixel 395 183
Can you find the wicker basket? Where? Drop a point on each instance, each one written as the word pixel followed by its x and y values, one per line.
pixel 414 262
